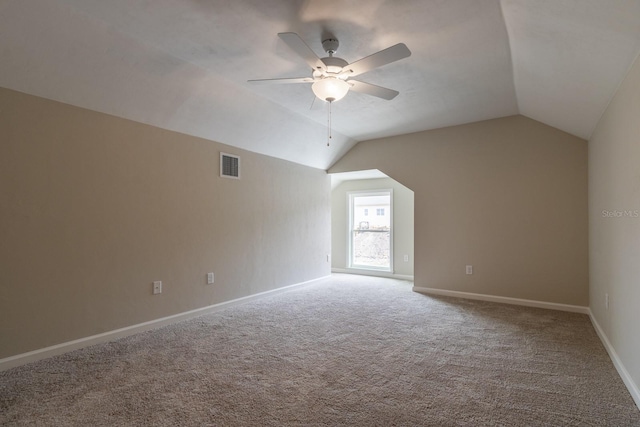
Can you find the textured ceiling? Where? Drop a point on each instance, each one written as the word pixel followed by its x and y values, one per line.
pixel 184 64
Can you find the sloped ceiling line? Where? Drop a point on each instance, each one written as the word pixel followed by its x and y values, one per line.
pixel 184 65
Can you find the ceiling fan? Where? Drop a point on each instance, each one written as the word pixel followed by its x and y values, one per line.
pixel 331 76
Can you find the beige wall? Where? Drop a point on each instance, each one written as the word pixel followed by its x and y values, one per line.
pixel 402 222
pixel 93 208
pixel 508 196
pixel 614 223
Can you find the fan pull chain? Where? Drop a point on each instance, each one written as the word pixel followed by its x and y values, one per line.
pixel 329 124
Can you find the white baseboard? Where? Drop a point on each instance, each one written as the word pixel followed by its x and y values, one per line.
pixel 32 356
pixel 622 371
pixel 504 300
pixel 374 273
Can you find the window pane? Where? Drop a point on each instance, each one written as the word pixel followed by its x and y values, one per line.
pixel 371 235
pixel 371 249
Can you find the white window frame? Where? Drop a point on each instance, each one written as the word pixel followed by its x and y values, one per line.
pixel 350 197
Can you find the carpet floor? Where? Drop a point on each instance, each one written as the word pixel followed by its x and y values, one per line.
pixel 349 350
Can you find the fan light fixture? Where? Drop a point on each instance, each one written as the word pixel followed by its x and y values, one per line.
pixel 330 88
pixel 332 76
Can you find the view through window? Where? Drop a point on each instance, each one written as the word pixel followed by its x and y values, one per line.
pixel 370 230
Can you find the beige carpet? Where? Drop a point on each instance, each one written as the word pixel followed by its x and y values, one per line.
pixel 348 351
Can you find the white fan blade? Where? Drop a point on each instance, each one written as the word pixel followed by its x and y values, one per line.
pixel 369 89
pixel 300 47
pixel 281 81
pixel 384 57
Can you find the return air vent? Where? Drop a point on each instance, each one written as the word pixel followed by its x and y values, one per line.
pixel 229 166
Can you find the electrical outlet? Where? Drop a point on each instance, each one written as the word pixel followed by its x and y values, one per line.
pixel 606 301
pixel 406 258
pixel 328 258
pixel 157 287
pixel 469 269
pixel 210 278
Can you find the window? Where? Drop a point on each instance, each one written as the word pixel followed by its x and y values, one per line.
pixel 370 239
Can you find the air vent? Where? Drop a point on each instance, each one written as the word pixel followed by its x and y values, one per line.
pixel 229 166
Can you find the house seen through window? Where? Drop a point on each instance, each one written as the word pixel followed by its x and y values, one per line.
pixel 370 238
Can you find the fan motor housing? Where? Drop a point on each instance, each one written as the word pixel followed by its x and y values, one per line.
pixel 334 64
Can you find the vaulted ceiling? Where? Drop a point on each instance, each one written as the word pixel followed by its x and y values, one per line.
pixel 183 65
